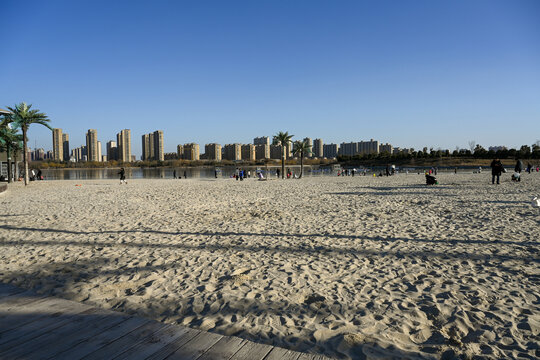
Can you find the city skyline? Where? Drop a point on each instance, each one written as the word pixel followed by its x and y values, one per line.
pixel 423 73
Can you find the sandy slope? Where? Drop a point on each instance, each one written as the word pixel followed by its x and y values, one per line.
pixel 342 266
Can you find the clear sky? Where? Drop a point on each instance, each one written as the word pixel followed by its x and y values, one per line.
pixel 412 73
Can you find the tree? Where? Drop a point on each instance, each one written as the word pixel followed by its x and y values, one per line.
pixel 283 139
pixel 472 145
pixel 11 143
pixel 23 117
pixel 301 148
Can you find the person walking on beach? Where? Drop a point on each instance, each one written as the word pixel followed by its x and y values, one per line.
pixel 496 170
pixel 174 174
pixel 519 166
pixel 185 174
pixel 122 174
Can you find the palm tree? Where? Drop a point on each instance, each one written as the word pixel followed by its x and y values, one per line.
pixel 11 142
pixel 23 117
pixel 283 139
pixel 302 148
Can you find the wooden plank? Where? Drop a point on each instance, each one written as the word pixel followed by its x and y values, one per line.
pixel 224 349
pixel 196 346
pixel 36 311
pixel 33 329
pixel 252 351
pixel 154 343
pixel 282 354
pixel 124 343
pixel 70 341
pixel 65 334
pixel 100 340
pixel 173 346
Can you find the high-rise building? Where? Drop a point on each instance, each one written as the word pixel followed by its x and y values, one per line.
pixel 145 147
pixel 330 150
pixel 368 147
pixel 180 151
pixel 275 152
pixel 263 140
pixel 348 149
pixel 309 141
pixel 212 151
pixel 386 148
pixel 152 146
pixel 123 139
pixel 65 145
pixel 99 150
pixel 58 145
pixel 112 151
pixel 248 152
pixel 318 148
pixel 159 154
pixel 262 152
pixel 289 150
pixel 92 145
pixel 191 151
pixel 232 152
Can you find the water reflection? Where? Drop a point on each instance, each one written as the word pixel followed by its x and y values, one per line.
pixel 170 173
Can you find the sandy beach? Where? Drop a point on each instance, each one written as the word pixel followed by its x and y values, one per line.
pixel 348 267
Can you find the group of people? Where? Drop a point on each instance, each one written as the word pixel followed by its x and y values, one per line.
pixel 497 169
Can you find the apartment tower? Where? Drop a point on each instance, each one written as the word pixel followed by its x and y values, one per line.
pixel 92 145
pixel 58 145
pixel 212 151
pixel 65 145
pixel 318 148
pixel 123 139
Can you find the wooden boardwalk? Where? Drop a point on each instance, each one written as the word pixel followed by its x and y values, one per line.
pixel 42 327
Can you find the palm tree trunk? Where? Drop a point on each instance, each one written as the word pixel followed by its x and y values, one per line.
pixel 282 163
pixel 301 164
pixel 25 157
pixel 8 148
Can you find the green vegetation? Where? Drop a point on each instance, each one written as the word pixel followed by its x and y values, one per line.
pixel 301 148
pixel 282 138
pixel 23 116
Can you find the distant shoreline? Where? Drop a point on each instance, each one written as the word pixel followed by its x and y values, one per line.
pixel 415 162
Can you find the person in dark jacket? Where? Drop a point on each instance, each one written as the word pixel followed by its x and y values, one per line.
pixel 122 174
pixel 519 166
pixel 496 170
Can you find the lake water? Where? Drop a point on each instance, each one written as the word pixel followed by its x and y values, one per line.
pixel 168 173
pixel 209 172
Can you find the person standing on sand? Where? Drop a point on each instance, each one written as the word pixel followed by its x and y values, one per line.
pixel 122 174
pixel 174 174
pixel 519 166
pixel 496 170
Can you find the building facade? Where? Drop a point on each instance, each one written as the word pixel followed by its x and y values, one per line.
pixel 232 152
pixel 318 148
pixel 112 150
pixel 65 146
pixel 191 151
pixel 123 140
pixel 212 151
pixel 262 152
pixel 330 150
pixel 368 147
pixel 58 145
pixel 263 140
pixel 92 145
pixel 248 152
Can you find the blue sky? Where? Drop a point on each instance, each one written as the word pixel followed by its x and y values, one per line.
pixel 412 73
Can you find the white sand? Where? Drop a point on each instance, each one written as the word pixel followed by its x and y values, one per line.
pixel 345 267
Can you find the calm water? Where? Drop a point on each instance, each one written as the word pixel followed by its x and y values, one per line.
pixel 206 172
pixel 165 173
